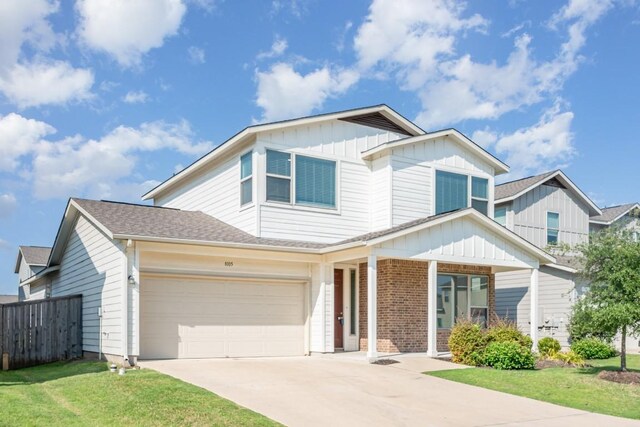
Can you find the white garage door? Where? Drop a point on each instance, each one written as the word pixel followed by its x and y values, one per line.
pixel 193 318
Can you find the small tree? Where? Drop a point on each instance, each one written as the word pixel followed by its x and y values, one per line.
pixel 611 262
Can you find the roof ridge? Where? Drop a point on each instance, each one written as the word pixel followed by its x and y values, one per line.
pixel 620 205
pixel 529 177
pixel 117 202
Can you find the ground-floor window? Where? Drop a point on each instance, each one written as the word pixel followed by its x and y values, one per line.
pixel 462 296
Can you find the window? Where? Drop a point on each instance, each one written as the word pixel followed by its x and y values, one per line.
pixel 462 296
pixel 480 194
pixel 246 178
pixel 500 215
pixel 451 191
pixel 278 176
pixel 553 226
pixel 352 302
pixel 314 180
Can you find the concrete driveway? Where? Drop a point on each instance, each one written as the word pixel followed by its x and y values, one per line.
pixel 345 390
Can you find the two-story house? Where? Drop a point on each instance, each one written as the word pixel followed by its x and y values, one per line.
pixel 31 260
pixel 353 230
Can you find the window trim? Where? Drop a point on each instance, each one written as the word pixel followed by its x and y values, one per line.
pixel 546 226
pixel 479 199
pixel 292 188
pixel 247 178
pixel 469 306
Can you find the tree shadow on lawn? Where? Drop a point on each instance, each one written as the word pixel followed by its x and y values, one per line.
pixel 50 372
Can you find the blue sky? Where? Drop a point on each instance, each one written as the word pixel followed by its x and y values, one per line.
pixel 104 98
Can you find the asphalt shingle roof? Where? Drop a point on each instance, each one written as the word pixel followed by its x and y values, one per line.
pixel 609 214
pixel 8 299
pixel 158 222
pixel 35 255
pixel 509 189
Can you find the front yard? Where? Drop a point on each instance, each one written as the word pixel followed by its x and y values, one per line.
pixel 573 387
pixel 86 393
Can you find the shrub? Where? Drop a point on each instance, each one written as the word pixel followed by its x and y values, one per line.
pixel 593 348
pixel 467 343
pixel 508 355
pixel 548 346
pixel 503 330
pixel 570 357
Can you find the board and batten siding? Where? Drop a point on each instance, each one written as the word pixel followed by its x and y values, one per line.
pixel 412 191
pixel 556 293
pixel 322 307
pixel 215 192
pixel 92 265
pixel 380 193
pixel 530 215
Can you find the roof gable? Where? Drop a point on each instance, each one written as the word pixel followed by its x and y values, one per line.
pixel 33 256
pixel 612 214
pixel 512 190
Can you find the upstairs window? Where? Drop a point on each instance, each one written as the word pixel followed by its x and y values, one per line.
pixel 480 194
pixel 246 178
pixel 553 228
pixel 278 176
pixel 451 191
pixel 500 215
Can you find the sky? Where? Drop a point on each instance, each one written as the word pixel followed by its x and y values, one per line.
pixel 105 99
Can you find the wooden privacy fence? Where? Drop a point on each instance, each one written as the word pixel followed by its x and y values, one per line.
pixel 43 331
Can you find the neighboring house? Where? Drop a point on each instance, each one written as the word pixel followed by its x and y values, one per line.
pixel 352 230
pixel 550 211
pixel 8 299
pixel 30 261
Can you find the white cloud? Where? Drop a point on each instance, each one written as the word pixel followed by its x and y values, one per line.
pixel 39 83
pixel 277 49
pixel 107 167
pixel 484 137
pixel 8 204
pixel 284 93
pixel 127 29
pixel 196 55
pixel 19 137
pixel 136 97
pixel 546 145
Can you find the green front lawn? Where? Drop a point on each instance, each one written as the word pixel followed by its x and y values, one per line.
pixel 86 393
pixel 573 387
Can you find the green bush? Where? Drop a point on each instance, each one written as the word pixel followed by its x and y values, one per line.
pixel 548 346
pixel 467 343
pixel 503 330
pixel 508 355
pixel 593 348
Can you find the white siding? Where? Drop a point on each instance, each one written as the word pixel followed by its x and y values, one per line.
pixel 92 266
pixel 26 271
pixel 556 293
pixel 215 192
pixel 412 191
pixel 322 291
pixel 530 215
pixel 380 194
pixel 461 240
pixel 37 291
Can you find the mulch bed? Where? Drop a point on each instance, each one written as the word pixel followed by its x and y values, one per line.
pixel 620 377
pixel 385 362
pixel 549 363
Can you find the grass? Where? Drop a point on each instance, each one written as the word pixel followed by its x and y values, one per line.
pixel 85 393
pixel 573 387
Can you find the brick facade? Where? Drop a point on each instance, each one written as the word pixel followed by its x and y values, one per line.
pixel 402 304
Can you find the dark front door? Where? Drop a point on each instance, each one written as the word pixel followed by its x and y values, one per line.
pixel 337 310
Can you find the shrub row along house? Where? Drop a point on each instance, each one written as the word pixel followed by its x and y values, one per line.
pixel 354 230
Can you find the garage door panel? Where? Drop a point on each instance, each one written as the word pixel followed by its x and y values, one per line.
pixel 191 318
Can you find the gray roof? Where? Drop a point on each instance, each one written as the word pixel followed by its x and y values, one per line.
pixel 157 222
pixel 511 188
pixel 610 214
pixel 8 299
pixel 35 255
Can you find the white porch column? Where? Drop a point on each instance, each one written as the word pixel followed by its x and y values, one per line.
pixel 432 309
pixel 535 302
pixel 372 305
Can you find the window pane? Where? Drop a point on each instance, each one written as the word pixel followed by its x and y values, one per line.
pixel 315 181
pixel 278 163
pixel 352 302
pixel 480 205
pixel 451 191
pixel 462 298
pixel 246 190
pixel 479 285
pixel 445 301
pixel 553 220
pixel 245 165
pixel 479 188
pixel 479 316
pixel 552 237
pixel 500 215
pixel 278 189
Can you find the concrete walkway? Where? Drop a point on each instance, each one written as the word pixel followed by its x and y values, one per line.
pixel 345 390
